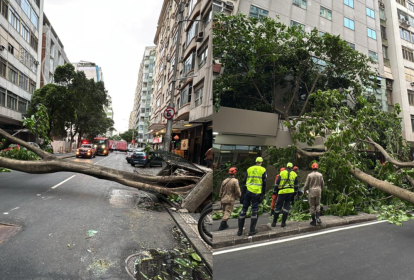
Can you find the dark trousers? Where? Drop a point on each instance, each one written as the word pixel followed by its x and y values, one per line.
pixel 252 198
pixel 209 163
pixel 283 200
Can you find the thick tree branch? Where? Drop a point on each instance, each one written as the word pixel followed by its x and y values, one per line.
pixel 294 92
pixel 309 93
pixel 388 157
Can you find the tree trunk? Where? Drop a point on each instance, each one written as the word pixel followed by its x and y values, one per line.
pixel 197 195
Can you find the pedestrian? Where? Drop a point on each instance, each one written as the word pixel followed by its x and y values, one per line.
pixel 286 185
pixel 209 158
pixel 229 192
pixel 274 196
pixel 315 183
pixel 253 193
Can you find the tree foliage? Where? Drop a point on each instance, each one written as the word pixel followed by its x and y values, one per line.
pixel 127 135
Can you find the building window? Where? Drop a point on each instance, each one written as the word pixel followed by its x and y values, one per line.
pixel 405 34
pixel 5 8
pixel 11 49
pixel 412 122
pixel 382 14
pixel 297 24
pixel 34 18
pixel 26 7
pixel 373 34
pixel 300 3
pixel 410 6
pixel 349 23
pixel 325 13
pixel 189 63
pixel 159 85
pixel 402 16
pixel 172 63
pixel 11 101
pixel 23 81
pixel 373 55
pixel 52 49
pixel 351 45
pixel 401 2
pixel 158 102
pixel 383 33
pixel 22 105
pixel 410 97
pixel 14 19
pixel 51 64
pixel 370 13
pixel 3 67
pixel 192 32
pixel 2 97
pixel 202 58
pixel 206 19
pixel 258 13
pixel 32 86
pixel 408 54
pixel 186 94
pixel 33 65
pixel 385 51
pixel 33 41
pixel 198 96
pixel 349 3
pixel 12 75
pixel 25 33
pixel 218 6
pixel 321 33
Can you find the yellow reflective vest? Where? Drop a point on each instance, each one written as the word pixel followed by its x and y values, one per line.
pixel 287 184
pixel 254 180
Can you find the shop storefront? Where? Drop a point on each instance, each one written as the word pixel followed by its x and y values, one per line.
pixel 157 143
pixel 197 140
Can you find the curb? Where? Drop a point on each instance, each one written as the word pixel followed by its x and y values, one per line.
pixel 189 233
pixel 237 240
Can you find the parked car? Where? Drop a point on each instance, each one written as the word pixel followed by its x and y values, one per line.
pixel 34 144
pixel 130 152
pixel 142 158
pixel 11 147
pixel 86 150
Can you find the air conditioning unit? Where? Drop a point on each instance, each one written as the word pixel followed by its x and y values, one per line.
pixel 382 5
pixel 200 37
pixel 229 6
pixel 412 84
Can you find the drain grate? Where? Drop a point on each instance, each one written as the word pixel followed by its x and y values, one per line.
pixel 7 230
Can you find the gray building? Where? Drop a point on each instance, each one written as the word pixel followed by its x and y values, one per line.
pixel 53 52
pixel 20 55
pixel 143 97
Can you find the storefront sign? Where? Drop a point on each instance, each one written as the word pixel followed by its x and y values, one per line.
pixel 157 140
pixel 184 144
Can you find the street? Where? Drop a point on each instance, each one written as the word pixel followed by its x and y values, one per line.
pixel 375 251
pixel 55 218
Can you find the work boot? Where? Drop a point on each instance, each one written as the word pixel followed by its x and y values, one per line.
pixel 253 229
pixel 272 212
pixel 223 225
pixel 284 218
pixel 275 219
pixel 313 223
pixel 241 225
pixel 317 218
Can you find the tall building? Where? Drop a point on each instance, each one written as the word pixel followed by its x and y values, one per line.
pixel 53 53
pixel 397 31
pixel 131 120
pixel 143 97
pixel 356 21
pixel 20 29
pixel 193 102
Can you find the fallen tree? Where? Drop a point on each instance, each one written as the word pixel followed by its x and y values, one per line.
pixel 48 163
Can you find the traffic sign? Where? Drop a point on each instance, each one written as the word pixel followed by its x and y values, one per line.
pixel 169 113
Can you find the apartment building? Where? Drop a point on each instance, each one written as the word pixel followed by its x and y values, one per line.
pixel 20 30
pixel 193 103
pixel 357 21
pixel 143 96
pixel 53 52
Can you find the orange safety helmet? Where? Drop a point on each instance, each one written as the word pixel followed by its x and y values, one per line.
pixel 315 165
pixel 295 168
pixel 233 170
pixel 281 169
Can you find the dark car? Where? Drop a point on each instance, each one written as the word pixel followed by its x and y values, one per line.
pixel 142 158
pixel 130 152
pixel 86 150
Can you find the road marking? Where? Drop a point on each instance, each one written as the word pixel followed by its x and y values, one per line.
pixel 294 238
pixel 7 213
pixel 55 186
pixel 101 160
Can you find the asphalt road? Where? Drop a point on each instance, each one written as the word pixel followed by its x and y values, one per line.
pixel 380 251
pixel 51 218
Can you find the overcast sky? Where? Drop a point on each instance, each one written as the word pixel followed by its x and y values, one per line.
pixel 113 34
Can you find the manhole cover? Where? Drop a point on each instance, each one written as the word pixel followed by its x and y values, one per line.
pixel 6 231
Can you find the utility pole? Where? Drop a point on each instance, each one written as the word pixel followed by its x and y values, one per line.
pixel 167 137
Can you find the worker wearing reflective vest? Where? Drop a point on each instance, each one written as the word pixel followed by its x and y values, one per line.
pixel 253 192
pixel 286 185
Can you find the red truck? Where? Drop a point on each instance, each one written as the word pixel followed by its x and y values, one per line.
pixel 115 145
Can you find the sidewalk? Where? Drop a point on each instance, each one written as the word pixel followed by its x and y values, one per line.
pixel 65 155
pixel 229 236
